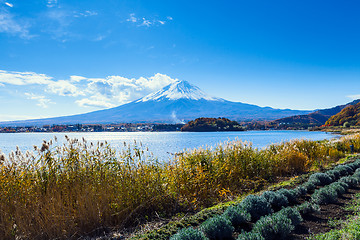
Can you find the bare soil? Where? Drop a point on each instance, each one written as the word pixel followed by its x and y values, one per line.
pixel 319 222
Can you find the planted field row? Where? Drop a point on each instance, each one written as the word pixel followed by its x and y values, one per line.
pixel 270 213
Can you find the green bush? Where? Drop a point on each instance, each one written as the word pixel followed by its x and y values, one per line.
pixel 350 180
pixel 354 165
pixel 309 186
pixel 324 195
pixel 307 208
pixel 343 170
pixel 236 215
pixel 276 226
pixel 293 214
pixel 357 175
pixel 334 174
pixel 276 199
pixel 189 234
pixel 217 228
pixel 250 236
pixel 301 190
pixel 320 179
pixel 291 195
pixel 256 206
pixel 339 187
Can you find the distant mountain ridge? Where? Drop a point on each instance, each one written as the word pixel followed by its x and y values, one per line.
pixel 317 118
pixel 175 103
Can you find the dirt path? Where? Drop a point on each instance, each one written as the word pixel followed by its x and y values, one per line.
pixel 318 222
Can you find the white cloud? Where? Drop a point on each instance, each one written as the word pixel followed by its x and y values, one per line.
pixel 8 24
pixel 23 78
pixel 75 78
pixel 132 18
pixel 169 18
pixel 117 90
pixel 64 88
pixel 51 3
pixel 95 101
pixel 42 100
pixel 354 97
pixel 144 22
pixel 96 92
pixel 9 4
pixel 87 13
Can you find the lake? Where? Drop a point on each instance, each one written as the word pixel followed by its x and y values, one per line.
pixel 161 144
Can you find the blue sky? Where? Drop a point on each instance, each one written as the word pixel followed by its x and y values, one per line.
pixel 61 57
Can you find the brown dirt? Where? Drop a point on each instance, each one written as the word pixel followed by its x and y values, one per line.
pixel 319 222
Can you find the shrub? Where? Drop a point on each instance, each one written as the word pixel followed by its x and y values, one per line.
pixel 293 214
pixel 250 236
pixel 236 215
pixel 357 175
pixel 189 234
pixel 334 174
pixel 307 208
pixel 339 187
pixel 275 199
pixel 321 178
pixel 309 186
pixel 301 190
pixel 217 228
pixel 343 170
pixel 324 195
pixel 291 195
pixel 256 206
pixel 276 226
pixel 354 165
pixel 351 181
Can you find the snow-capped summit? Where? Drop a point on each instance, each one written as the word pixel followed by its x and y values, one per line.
pixel 179 90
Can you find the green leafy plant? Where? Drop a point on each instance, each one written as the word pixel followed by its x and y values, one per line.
pixel 350 180
pixel 256 206
pixel 291 194
pixel 293 214
pixel 324 195
pixel 276 199
pixel 189 234
pixel 250 236
pixel 321 179
pixel 308 207
pixel 236 215
pixel 276 226
pixel 217 228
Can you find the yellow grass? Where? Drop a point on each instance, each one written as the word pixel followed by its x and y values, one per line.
pixel 65 191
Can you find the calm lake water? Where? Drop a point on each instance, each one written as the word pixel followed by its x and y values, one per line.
pixel 161 144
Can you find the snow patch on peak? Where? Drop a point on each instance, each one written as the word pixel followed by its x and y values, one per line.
pixel 179 90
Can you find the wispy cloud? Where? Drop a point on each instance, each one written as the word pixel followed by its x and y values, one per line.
pixel 132 18
pixel 42 100
pixel 145 22
pixel 354 97
pixel 51 3
pixel 9 4
pixel 23 78
pixel 86 13
pixel 10 25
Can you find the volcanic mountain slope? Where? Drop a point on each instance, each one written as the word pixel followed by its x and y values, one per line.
pixel 316 118
pixel 350 114
pixel 177 102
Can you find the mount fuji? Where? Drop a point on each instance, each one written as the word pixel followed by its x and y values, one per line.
pixel 175 103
